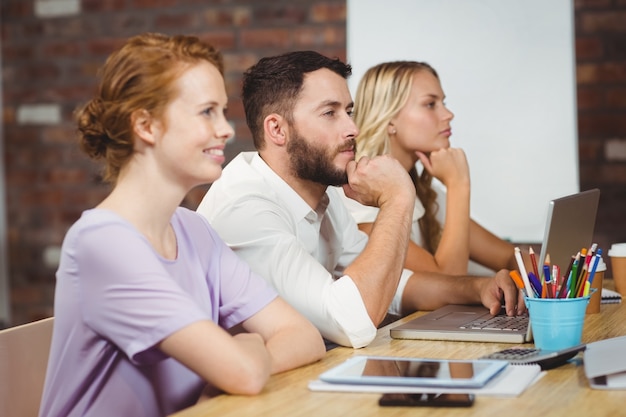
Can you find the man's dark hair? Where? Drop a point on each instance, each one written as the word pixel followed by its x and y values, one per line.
pixel 273 84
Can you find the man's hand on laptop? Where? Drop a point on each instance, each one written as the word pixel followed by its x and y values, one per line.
pixel 502 288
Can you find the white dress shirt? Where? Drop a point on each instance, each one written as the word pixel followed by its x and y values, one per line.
pixel 301 251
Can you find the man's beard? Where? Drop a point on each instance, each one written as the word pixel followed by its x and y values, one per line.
pixel 313 163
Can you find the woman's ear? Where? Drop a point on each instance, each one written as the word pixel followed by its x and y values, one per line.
pixel 143 125
pixel 391 129
pixel 275 129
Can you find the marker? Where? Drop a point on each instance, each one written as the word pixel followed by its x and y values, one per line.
pixel 548 283
pixel 591 254
pixel 518 280
pixel 522 270
pixel 536 284
pixel 596 261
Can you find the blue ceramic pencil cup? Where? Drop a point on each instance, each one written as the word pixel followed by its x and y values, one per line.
pixel 557 323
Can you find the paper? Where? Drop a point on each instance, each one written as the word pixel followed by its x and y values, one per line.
pixel 511 382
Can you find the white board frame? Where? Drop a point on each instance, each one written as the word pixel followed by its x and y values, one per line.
pixel 507 68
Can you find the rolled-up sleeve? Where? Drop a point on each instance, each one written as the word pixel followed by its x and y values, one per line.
pixel 348 322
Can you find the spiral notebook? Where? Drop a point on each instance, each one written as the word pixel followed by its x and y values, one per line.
pixel 610 296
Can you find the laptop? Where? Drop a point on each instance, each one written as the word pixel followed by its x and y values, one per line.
pixel 561 239
pixel 474 323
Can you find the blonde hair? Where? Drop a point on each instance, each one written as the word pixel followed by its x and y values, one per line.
pixel 381 94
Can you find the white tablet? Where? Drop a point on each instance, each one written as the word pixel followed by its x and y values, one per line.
pixel 386 370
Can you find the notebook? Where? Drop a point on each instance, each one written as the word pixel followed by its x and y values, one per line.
pixel 474 323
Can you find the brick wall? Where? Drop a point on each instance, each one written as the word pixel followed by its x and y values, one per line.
pixel 601 79
pixel 51 50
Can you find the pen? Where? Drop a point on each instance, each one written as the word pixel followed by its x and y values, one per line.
pixel 596 261
pixel 535 284
pixel 522 271
pixel 591 253
pixel 556 278
pixel 549 284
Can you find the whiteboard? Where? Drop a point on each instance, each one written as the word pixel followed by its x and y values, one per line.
pixel 507 68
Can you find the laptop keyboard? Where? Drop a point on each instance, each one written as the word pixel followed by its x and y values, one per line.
pixel 501 322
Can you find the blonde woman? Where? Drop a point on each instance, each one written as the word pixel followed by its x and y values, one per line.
pixel 400 110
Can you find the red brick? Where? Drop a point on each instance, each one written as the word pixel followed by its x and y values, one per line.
pixel 238 16
pixel 65 135
pixel 614 173
pixel 605 125
pixel 48 197
pixel 66 177
pixel 17 8
pixel 279 15
pixel 22 178
pixel 38 72
pixel 56 50
pixel 616 98
pixel 589 48
pixel 327 12
pixel 616 47
pixel 69 28
pixel 312 37
pixel 590 150
pixel 589 98
pixel 591 4
pixel 237 62
pixel 165 21
pixel 221 39
pixel 26 295
pixel 17 53
pixel 153 4
pixel 8 115
pixel 103 5
pixel 601 73
pixel 103 46
pixel 266 38
pixel 609 21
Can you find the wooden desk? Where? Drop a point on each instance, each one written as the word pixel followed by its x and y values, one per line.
pixel 563 391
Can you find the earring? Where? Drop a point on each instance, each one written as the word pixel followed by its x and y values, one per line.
pixel 393 132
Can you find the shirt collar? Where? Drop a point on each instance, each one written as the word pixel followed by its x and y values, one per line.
pixel 295 204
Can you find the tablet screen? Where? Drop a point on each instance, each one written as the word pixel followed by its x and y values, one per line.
pixel 414 371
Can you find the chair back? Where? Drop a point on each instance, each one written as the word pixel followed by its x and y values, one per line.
pixel 23 360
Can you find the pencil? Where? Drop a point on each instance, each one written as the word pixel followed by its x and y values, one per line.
pixel 533 261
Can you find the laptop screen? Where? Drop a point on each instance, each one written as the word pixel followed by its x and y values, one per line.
pixel 569 227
